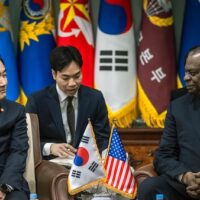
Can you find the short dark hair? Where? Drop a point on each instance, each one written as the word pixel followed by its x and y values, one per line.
pixel 62 56
pixel 192 51
pixel 1 59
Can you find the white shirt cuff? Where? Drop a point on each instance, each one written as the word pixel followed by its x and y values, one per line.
pixel 46 149
pixel 180 178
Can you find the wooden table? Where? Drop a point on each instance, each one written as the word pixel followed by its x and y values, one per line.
pixel 140 143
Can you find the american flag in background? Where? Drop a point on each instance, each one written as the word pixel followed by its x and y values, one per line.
pixel 119 175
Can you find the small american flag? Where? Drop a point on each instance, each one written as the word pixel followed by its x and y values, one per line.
pixel 119 175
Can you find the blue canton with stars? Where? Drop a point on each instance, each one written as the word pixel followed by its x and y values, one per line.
pixel 116 147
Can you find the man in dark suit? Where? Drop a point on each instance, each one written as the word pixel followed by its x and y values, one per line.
pixel 177 160
pixel 58 136
pixel 13 145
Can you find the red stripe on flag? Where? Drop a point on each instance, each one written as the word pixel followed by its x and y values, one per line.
pixel 124 176
pixel 114 171
pixel 109 170
pixel 119 174
pixel 129 181
pixel 120 178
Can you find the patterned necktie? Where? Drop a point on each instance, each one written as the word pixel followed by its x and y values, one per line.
pixel 71 117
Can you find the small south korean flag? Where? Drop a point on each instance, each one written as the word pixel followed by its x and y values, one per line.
pixel 87 169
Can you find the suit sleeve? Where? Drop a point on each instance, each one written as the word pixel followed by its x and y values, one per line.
pixel 167 156
pixel 15 163
pixel 31 105
pixel 101 124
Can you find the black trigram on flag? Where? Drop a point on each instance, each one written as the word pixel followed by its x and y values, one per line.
pixel 76 174
pixel 85 139
pixel 93 166
pixel 117 59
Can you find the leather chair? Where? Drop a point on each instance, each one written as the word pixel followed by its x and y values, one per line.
pixel 144 172
pixel 50 178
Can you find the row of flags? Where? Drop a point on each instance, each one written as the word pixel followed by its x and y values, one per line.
pixel 136 79
pixel 114 173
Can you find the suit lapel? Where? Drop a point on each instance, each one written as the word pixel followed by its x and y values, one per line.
pixel 195 114
pixel 54 106
pixel 3 106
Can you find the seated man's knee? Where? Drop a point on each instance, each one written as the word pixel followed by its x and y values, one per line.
pixel 148 188
pixel 147 185
pixel 16 195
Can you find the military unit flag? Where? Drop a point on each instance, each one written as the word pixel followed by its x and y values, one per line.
pixel 156 61
pixel 115 63
pixel 7 53
pixel 36 41
pixel 87 169
pixel 75 28
pixel 190 34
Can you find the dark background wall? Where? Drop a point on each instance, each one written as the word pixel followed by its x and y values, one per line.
pixel 178 12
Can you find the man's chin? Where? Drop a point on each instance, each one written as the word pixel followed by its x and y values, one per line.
pixel 71 92
pixel 192 91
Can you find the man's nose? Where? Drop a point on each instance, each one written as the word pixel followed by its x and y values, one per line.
pixel 2 81
pixel 187 77
pixel 72 82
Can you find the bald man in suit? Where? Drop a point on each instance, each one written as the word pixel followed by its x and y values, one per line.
pixel 177 160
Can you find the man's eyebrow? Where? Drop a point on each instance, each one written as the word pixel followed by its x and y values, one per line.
pixel 72 74
pixel 77 73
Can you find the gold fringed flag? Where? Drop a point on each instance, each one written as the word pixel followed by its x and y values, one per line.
pixel 36 41
pixel 87 169
pixel 156 61
pixel 119 174
pixel 115 63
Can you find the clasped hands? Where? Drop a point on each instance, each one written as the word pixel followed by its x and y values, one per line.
pixel 192 182
pixel 62 150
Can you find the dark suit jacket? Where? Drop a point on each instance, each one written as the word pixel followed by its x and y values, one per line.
pixel 91 105
pixel 13 144
pixel 178 93
pixel 179 149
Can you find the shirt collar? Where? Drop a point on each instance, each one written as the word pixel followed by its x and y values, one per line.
pixel 62 96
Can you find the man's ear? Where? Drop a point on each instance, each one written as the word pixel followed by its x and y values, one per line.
pixel 53 74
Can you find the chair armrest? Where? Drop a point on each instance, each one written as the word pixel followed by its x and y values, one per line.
pixel 51 181
pixel 144 172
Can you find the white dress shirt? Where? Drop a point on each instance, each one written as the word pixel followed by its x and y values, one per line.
pixel 63 107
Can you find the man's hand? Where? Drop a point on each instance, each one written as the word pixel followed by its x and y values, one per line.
pixel 2 195
pixel 192 182
pixel 62 150
pixel 188 179
pixel 194 189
